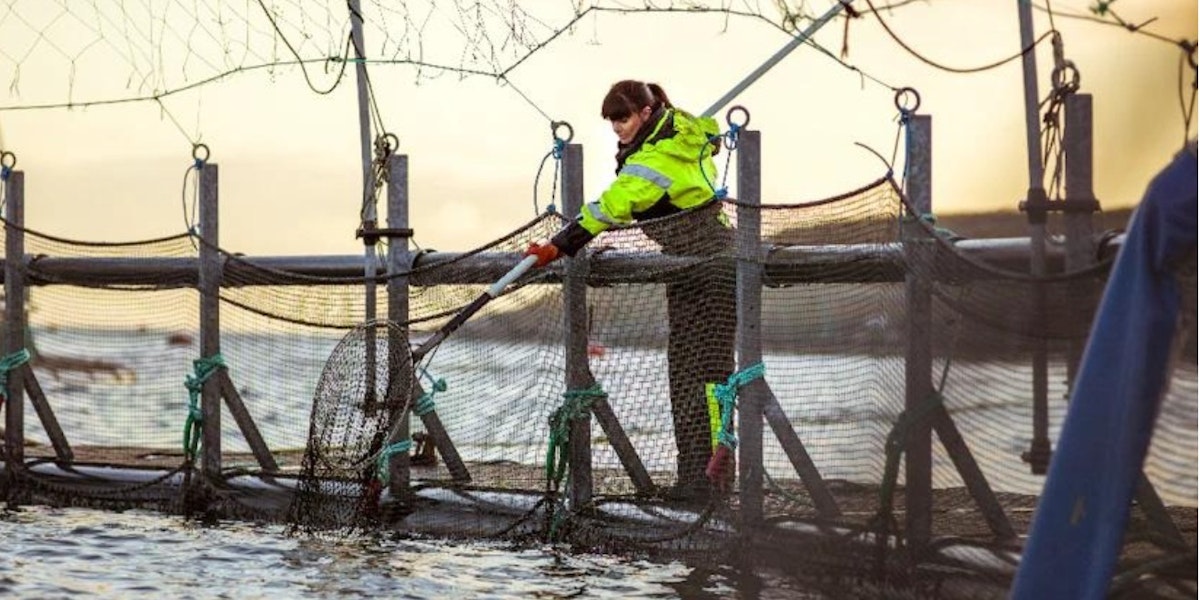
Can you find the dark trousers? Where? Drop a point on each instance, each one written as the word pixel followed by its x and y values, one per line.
pixel 702 315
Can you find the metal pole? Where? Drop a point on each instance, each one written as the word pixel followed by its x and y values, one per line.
pixel 775 58
pixel 369 217
pixel 364 109
pixel 1036 204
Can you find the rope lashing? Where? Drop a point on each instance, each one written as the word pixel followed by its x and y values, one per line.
pixel 8 161
pixel 576 405
pixel 7 364
pixel 727 394
pixel 931 219
pixel 906 423
pixel 204 368
pixel 382 472
pixel 424 404
pixel 556 152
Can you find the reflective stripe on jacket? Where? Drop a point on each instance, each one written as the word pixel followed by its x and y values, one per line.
pixel 661 177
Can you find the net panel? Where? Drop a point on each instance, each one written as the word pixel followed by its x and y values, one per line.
pixel 837 325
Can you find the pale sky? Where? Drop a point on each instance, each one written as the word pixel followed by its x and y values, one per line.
pixel 291 164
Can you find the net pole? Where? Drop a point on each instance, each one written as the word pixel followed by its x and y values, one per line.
pixel 399 466
pixel 918 360
pixel 210 317
pixel 14 307
pixel 578 374
pixel 770 63
pixel 369 217
pixel 1036 205
pixel 749 325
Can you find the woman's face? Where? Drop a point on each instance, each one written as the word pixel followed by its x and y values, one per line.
pixel 628 127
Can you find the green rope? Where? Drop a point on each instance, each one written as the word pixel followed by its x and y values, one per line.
pixel 425 402
pixel 8 363
pixel 576 405
pixel 727 394
pixel 382 471
pixel 901 431
pixel 204 369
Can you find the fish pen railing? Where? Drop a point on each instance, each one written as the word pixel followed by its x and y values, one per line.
pixel 564 409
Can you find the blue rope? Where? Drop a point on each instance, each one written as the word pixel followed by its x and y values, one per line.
pixel 727 394
pixel 382 472
pixel 5 171
pixel 720 193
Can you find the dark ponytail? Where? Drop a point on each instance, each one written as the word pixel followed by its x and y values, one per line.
pixel 629 96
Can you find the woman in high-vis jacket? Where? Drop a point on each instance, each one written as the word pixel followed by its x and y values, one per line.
pixel 665 167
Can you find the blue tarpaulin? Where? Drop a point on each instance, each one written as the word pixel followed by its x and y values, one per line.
pixel 1081 518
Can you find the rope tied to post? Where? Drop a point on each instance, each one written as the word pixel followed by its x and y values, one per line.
pixel 8 161
pixel 577 404
pixel 424 404
pixel 556 152
pixel 7 364
pixel 906 423
pixel 204 368
pixel 726 394
pixel 728 139
pixel 383 462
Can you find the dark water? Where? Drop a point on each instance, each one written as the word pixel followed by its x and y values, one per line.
pixel 77 553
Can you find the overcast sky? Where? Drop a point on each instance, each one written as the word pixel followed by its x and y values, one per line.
pixel 290 158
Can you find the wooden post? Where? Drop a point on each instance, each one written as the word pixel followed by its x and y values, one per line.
pixel 749 326
pixel 21 379
pixel 578 373
pixel 399 469
pixel 210 317
pixel 14 311
pixel 918 364
pixel 1081 203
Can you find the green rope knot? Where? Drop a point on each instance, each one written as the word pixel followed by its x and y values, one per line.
pixel 204 368
pixel 382 472
pixel 425 402
pixel 901 431
pixel 8 363
pixel 727 394
pixel 576 405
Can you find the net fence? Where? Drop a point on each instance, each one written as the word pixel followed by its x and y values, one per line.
pixel 853 293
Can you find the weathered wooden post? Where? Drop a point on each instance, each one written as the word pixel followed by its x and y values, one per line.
pixel 578 373
pixel 1081 205
pixel 749 325
pixel 14 309
pixel 918 364
pixel 209 283
pixel 399 261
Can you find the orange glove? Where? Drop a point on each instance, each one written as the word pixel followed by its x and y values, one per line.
pixel 546 253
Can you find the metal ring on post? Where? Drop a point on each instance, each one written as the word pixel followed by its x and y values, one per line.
pixel 902 95
pixel 8 160
pixel 197 151
pixel 555 125
pixel 391 141
pixel 1058 77
pixel 736 109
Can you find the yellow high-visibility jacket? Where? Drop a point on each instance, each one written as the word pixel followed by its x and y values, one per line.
pixel 670 171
